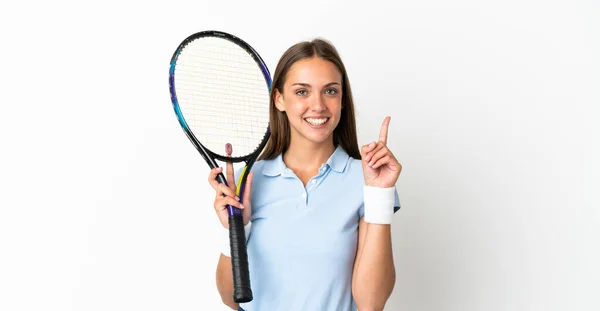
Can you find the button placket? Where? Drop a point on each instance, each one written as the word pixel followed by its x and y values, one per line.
pixel 305 199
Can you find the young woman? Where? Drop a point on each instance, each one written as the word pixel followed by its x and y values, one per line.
pixel 317 207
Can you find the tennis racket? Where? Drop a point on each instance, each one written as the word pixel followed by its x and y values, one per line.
pixel 220 93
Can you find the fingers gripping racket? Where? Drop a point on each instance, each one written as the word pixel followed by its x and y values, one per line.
pixel 220 93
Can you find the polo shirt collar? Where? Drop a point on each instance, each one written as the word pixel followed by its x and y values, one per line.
pixel 337 162
pixel 274 167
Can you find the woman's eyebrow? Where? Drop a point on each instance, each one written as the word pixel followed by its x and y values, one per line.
pixel 308 85
pixel 302 84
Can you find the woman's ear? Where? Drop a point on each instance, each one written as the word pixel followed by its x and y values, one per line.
pixel 279 101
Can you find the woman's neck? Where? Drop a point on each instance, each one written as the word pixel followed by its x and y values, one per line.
pixel 306 156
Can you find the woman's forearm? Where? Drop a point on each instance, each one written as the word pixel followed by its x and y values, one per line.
pixel 225 282
pixel 375 275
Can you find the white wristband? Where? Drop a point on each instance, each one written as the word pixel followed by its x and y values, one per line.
pixel 379 204
pixel 225 246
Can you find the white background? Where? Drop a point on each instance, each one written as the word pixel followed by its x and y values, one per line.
pixel 104 203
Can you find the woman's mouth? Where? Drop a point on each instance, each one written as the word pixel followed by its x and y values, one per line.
pixel 316 122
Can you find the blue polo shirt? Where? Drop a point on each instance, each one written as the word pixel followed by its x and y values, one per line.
pixel 303 241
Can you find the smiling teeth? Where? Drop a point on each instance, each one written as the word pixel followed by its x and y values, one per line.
pixel 316 121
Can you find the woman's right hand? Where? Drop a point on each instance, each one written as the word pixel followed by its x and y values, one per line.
pixel 225 195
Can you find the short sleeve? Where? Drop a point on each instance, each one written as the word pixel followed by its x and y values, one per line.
pixel 361 210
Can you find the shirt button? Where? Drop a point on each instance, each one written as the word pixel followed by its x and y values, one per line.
pixel 314 181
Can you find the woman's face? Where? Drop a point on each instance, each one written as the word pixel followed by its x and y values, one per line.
pixel 312 100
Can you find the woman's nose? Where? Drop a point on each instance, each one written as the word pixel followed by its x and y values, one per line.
pixel 317 104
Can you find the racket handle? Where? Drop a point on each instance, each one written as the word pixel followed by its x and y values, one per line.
pixel 239 260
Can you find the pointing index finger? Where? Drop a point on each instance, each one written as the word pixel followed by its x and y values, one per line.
pixel 383 133
pixel 229 167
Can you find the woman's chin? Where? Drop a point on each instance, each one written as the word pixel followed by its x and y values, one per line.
pixel 315 136
pixel 319 139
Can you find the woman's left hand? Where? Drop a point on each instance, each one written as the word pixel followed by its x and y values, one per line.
pixel 380 167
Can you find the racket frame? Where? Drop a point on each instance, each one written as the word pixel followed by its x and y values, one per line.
pixel 208 155
pixel 242 291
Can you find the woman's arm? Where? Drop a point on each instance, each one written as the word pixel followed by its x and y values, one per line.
pixel 374 274
pixel 225 282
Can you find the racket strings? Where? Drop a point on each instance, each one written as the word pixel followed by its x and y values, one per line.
pixel 223 95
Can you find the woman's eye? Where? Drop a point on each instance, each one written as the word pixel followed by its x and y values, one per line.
pixel 301 92
pixel 331 91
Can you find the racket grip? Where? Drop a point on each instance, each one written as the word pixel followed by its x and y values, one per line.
pixel 239 260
